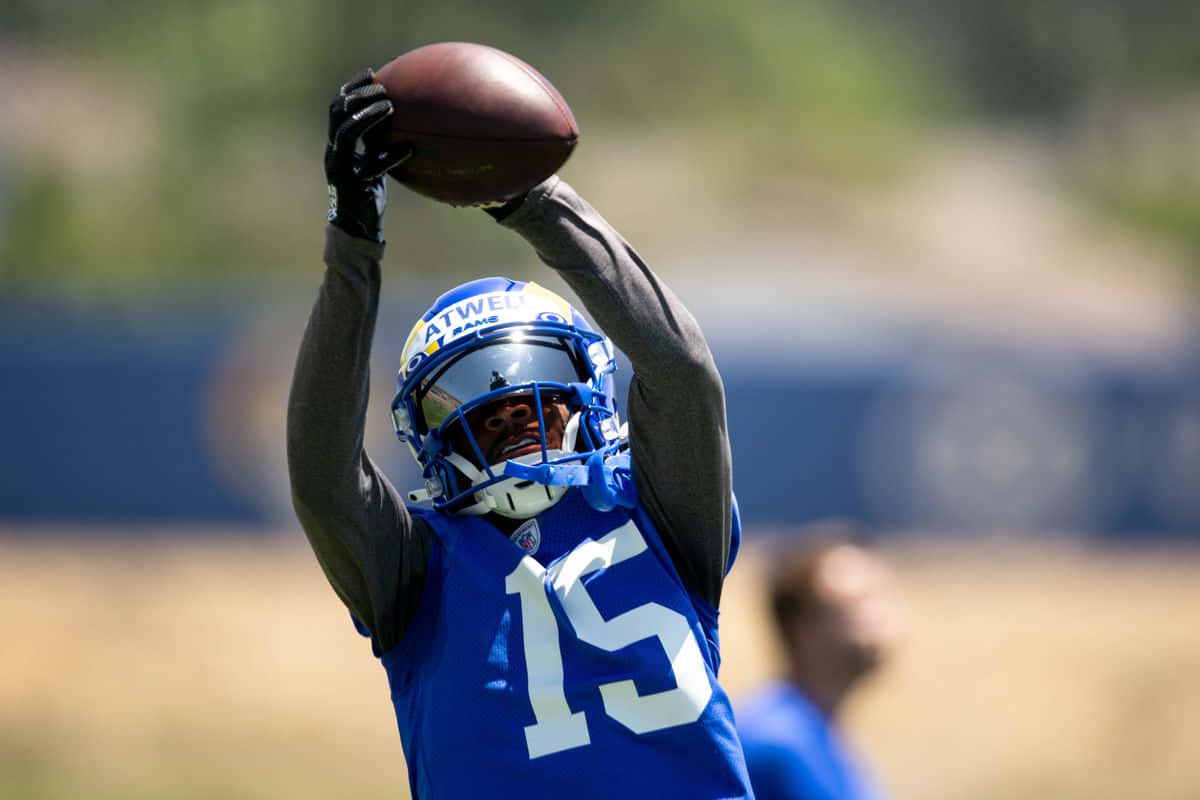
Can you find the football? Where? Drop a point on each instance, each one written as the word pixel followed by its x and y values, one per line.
pixel 484 125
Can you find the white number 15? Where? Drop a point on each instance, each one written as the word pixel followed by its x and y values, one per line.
pixel 557 728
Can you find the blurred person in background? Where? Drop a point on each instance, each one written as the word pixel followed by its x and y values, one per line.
pixel 833 606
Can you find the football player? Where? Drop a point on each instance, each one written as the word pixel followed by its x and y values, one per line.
pixel 548 620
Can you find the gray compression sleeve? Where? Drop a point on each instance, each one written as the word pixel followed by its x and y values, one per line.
pixel 365 540
pixel 676 406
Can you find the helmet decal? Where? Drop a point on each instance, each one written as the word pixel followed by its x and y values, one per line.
pixel 456 314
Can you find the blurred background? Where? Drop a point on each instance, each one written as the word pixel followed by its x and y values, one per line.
pixel 947 253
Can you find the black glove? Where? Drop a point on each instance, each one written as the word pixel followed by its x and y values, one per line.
pixel 355 172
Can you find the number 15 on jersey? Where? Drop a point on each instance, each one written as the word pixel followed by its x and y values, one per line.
pixel 558 728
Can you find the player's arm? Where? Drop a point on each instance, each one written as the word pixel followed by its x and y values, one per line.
pixel 676 406
pixel 363 537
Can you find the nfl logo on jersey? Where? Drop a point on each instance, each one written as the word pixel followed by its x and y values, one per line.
pixel 528 537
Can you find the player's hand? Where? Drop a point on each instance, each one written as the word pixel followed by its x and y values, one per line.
pixel 355 172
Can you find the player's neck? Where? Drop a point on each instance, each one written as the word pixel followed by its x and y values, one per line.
pixel 823 689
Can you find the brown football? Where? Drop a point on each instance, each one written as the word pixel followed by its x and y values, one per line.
pixel 484 125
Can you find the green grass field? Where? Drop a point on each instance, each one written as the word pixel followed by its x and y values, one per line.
pixel 179 670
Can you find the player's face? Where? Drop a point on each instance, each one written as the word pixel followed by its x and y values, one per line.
pixel 862 619
pixel 508 428
pixel 858 622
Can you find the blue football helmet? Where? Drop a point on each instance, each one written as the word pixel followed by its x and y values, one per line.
pixel 492 339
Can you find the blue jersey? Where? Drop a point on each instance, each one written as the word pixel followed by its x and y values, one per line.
pixel 582 668
pixel 794 753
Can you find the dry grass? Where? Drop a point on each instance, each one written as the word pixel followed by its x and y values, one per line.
pixel 188 669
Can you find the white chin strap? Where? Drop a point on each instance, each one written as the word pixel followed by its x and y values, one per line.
pixel 512 497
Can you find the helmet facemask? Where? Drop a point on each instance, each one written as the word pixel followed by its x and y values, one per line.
pixel 552 442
